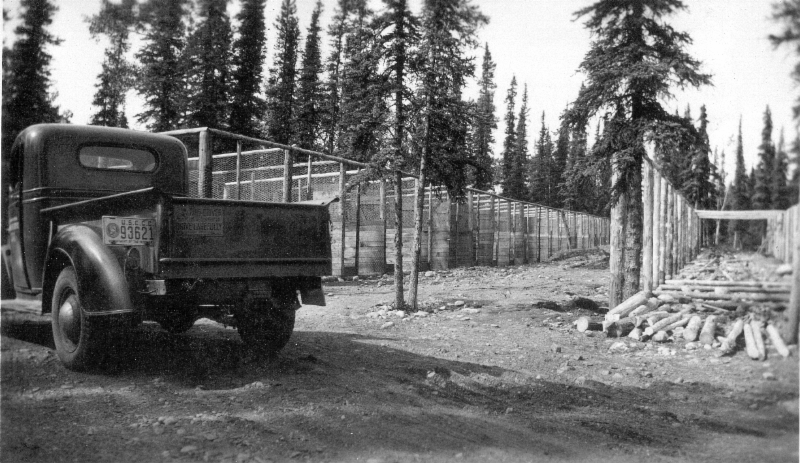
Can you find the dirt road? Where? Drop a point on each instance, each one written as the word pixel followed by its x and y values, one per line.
pixel 494 372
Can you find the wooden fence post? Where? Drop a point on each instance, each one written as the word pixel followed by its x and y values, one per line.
pixel 647 235
pixel 238 170
pixel 382 213
pixel 663 227
pixel 205 165
pixel 287 176
pixel 343 208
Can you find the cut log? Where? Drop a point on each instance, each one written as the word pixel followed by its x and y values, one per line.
pixel 727 289
pixel 736 331
pixel 712 283
pixel 629 304
pixel 693 328
pixel 586 324
pixel 751 296
pixel 750 342
pixel 661 324
pixel 759 338
pixel 653 318
pixel 709 328
pixel 682 322
pixel 636 334
pixel 777 341
pixel 651 305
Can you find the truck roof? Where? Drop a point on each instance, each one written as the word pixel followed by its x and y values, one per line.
pixel 56 157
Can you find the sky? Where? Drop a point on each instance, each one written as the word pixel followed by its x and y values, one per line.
pixel 542 44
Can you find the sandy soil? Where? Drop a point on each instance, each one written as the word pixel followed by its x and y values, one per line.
pixel 494 371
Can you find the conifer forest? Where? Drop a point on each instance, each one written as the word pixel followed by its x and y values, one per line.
pixel 617 280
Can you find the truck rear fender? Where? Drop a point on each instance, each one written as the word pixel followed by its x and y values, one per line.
pixel 101 280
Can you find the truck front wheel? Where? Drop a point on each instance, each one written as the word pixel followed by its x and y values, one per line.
pixel 265 326
pixel 80 343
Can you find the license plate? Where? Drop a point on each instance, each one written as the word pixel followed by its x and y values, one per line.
pixel 128 231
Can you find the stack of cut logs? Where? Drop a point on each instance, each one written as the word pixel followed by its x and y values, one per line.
pixel 700 312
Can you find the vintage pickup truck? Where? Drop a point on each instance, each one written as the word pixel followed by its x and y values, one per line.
pixel 101 228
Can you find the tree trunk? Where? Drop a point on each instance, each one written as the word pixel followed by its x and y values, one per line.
pixel 399 303
pixel 417 248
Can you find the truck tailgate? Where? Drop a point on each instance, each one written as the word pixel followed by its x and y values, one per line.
pixel 207 237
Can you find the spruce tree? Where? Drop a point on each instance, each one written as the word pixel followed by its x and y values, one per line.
pixel 739 194
pixel 282 76
pixel 780 188
pixel 363 90
pixel 309 88
pixel 762 194
pixel 115 21
pixel 399 32
pixel 485 121
pixel 577 186
pixel 449 32
pixel 788 13
pixel 331 110
pixel 543 187
pixel 249 51
pixel 208 52
pixel 510 138
pixel 697 188
pixel 633 64
pixel 161 81
pixel 520 161
pixel 794 183
pixel 26 87
pixel 561 156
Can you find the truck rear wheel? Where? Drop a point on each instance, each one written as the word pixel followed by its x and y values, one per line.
pixel 266 326
pixel 81 343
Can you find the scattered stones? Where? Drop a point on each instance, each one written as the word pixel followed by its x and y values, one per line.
pixel 430 274
pixel 459 303
pixel 618 347
pixel 769 376
pixel 387 325
pixel 470 310
pixel 188 448
pixel 555 348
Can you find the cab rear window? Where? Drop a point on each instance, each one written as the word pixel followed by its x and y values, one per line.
pixel 117 158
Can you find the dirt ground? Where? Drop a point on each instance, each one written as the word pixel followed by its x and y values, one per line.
pixel 495 372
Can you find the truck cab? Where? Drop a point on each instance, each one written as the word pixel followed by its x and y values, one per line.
pixel 102 229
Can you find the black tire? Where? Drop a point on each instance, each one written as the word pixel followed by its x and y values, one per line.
pixel 81 343
pixel 6 285
pixel 265 326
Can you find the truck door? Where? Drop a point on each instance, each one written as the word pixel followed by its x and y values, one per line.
pixel 15 223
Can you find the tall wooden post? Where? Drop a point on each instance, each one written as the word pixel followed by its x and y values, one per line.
pixel 790 331
pixel 287 176
pixel 238 170
pixel 656 226
pixel 205 165
pixel 382 213
pixel 663 227
pixel 343 208
pixel 309 191
pixel 358 228
pixel 430 228
pixel 616 265
pixel 647 235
